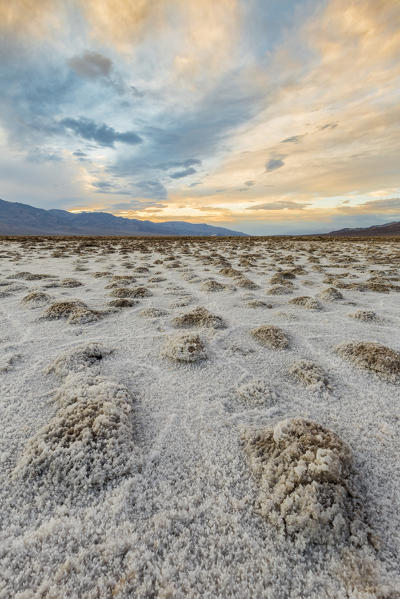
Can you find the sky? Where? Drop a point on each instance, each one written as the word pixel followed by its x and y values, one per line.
pixel 263 116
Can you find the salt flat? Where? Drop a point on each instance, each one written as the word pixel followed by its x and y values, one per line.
pixel 186 418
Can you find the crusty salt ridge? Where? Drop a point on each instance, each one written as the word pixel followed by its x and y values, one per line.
pixel 305 487
pixel 181 521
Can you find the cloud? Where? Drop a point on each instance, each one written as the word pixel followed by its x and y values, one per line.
pixel 91 65
pixel 280 205
pixel 386 206
pixel 179 163
pixel 294 139
pixel 249 183
pixel 100 133
pixel 181 174
pixel 79 153
pixel 273 164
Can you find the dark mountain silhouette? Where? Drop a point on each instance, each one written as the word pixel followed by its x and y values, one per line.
pixel 21 219
pixel 374 231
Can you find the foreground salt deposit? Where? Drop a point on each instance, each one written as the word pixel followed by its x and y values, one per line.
pixel 199 418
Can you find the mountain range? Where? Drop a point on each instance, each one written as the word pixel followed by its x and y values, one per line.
pixel 387 229
pixel 22 219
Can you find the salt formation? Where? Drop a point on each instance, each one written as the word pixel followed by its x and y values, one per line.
pixel 123 302
pixel 70 283
pixel 379 359
pixel 79 359
pixel 211 286
pixel 185 348
pixel 304 482
pixel 245 283
pixel 279 290
pixel 122 292
pixel 74 310
pixel 309 374
pixel 141 292
pixel 364 315
pixel 307 302
pixel 153 312
pixel 85 445
pixel 256 393
pixel 270 336
pixel 36 299
pixel 330 294
pixel 199 317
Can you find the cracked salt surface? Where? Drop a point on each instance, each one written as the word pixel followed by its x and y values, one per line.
pixel 124 473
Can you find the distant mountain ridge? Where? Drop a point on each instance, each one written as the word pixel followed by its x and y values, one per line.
pixel 22 219
pixel 392 228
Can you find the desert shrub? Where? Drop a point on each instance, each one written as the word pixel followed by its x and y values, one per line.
pixel 304 474
pixel 376 358
pixel 271 336
pixel 311 303
pixel 330 294
pixel 309 374
pixel 199 317
pixel 185 348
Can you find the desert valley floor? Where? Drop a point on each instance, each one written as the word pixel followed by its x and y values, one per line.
pixel 199 418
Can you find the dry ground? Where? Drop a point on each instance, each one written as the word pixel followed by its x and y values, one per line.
pixel 199 417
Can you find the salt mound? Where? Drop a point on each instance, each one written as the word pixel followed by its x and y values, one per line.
pixel 122 292
pixel 279 290
pixel 309 374
pixel 256 303
pixel 211 286
pixel 330 294
pixel 79 359
pixel 185 348
pixel 75 311
pixel 127 279
pixel 256 393
pixel 304 481
pixel 153 312
pixel 141 292
pixel 245 283
pixel 364 315
pixel 377 358
pixel 84 446
pixel 271 336
pixel 123 302
pixel 281 277
pixel 307 302
pixel 70 283
pixel 199 317
pixel 36 299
